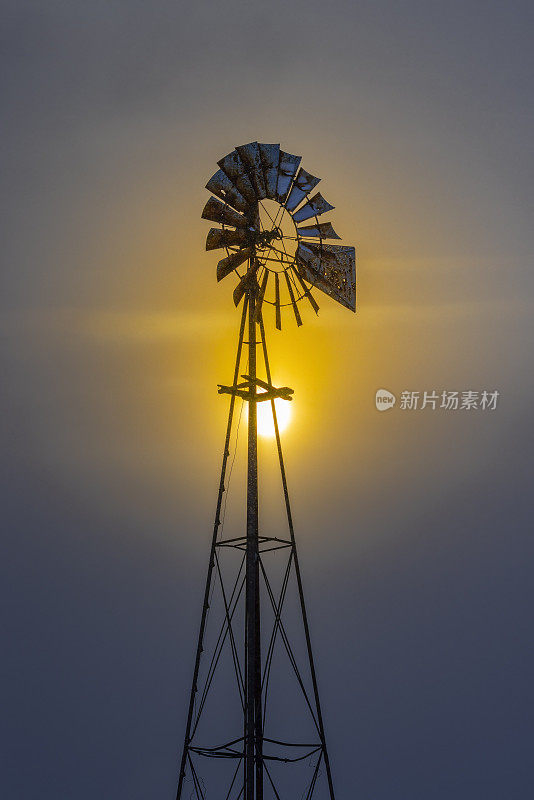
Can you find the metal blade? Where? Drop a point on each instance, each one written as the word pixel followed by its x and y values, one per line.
pixel 322 231
pixel 277 301
pixel 221 186
pixel 250 156
pixel 254 217
pixel 217 237
pixel 240 289
pixel 292 296
pixel 287 169
pixel 261 294
pixel 270 156
pixel 231 262
pixel 313 208
pixel 248 279
pixel 216 211
pixel 307 292
pixel 331 268
pixel 304 183
pixel 233 167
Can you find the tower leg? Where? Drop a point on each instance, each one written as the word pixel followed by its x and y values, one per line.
pixel 297 571
pixel 216 524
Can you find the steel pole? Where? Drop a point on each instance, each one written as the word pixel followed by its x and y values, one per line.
pixel 253 716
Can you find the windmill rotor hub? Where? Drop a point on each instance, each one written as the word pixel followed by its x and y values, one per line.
pixel 264 238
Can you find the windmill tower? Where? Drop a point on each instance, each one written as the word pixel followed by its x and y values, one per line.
pixel 276 246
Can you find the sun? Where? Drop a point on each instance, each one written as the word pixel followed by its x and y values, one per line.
pixel 265 416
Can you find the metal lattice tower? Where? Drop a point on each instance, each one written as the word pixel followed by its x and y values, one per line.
pixel 262 199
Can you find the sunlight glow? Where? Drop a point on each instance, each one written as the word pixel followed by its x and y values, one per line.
pixel 265 416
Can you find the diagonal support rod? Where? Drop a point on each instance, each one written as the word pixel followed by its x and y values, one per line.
pixel 216 524
pixel 297 569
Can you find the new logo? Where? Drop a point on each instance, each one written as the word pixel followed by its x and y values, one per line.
pixel 384 400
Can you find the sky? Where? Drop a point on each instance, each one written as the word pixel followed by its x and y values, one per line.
pixel 413 527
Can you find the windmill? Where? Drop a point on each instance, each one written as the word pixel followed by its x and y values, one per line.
pixel 268 217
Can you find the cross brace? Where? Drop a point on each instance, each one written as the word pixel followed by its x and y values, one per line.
pixel 247 390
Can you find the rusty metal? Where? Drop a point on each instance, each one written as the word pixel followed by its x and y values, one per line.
pixel 231 262
pixel 303 184
pixel 331 268
pixel 311 299
pixel 250 156
pixel 219 237
pixel 287 169
pixel 270 157
pixel 292 296
pixel 220 185
pixel 216 211
pixel 284 392
pixel 253 718
pixel 278 317
pixel 313 208
pixel 211 565
pixel 254 217
pixel 289 514
pixel 245 282
pixel 234 168
pixel 240 290
pixel 245 390
pixel 256 171
pixel 261 295
pixel 324 230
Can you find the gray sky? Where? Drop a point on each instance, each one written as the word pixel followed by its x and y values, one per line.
pixel 413 528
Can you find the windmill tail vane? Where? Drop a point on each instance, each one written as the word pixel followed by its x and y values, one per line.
pixel 254 728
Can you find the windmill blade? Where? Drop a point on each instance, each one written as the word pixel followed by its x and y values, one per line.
pixel 261 295
pixel 254 217
pixel 250 156
pixel 240 289
pixel 233 167
pixel 325 251
pixel 220 185
pixel 231 262
pixel 313 208
pixel 322 231
pixel 304 183
pixel 216 211
pixel 270 157
pixel 331 268
pixel 218 237
pixel 287 169
pixel 248 279
pixel 292 296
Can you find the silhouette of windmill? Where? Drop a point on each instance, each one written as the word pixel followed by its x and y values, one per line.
pixel 262 198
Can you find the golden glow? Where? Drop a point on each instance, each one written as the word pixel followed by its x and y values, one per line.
pixel 265 416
